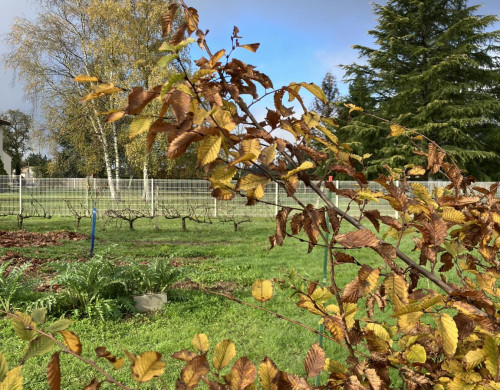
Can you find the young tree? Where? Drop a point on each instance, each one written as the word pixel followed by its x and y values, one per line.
pixel 17 136
pixel 329 108
pixel 435 69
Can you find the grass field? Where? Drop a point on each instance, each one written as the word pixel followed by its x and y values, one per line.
pixel 212 255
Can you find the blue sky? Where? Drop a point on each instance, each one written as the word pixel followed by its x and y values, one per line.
pixel 300 40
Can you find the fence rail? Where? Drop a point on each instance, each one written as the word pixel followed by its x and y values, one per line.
pixel 77 196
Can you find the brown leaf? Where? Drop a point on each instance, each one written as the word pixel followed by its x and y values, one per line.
pixel 281 219
pixel 315 361
pixel 446 259
pixel 335 326
pixel 180 103
pixel 192 373
pixel 243 374
pixel 93 385
pixel 365 282
pixel 342 257
pixel 138 99
pixel 168 19
pixel 373 378
pixel 297 223
pixel 54 372
pixel 178 36
pixel 253 47
pixel 358 239
pixel 184 355
pixel 180 144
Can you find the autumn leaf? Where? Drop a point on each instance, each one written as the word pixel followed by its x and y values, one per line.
pixel 397 130
pixel 262 290
pixel 224 352
pixel 4 368
pixel 267 372
pixel 139 125
pixel 147 366
pixel 13 380
pixel 302 167
pixel 72 341
pixel 200 342
pixel 54 372
pixel 315 360
pixel 416 354
pixel 253 47
pixel 243 374
pixel 251 181
pixel 316 91
pixel 192 373
pixel 447 330
pixel 85 79
pixel 209 149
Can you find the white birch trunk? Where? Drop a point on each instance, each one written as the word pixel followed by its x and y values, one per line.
pixel 146 195
pixel 117 160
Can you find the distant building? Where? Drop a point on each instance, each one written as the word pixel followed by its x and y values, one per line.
pixel 6 159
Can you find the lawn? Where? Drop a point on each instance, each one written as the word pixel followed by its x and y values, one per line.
pixel 212 255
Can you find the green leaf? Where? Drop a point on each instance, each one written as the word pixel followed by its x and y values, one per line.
pixel 59 325
pixel 139 125
pixel 174 79
pixel 166 46
pixel 20 328
pixel 39 346
pixel 38 315
pixel 165 60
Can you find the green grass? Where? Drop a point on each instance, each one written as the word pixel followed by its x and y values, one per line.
pixel 212 255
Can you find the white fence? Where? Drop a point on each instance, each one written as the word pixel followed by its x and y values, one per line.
pixel 77 196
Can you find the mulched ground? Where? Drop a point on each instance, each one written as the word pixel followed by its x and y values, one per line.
pixel 22 238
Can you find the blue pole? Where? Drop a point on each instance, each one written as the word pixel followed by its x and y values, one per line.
pixel 92 234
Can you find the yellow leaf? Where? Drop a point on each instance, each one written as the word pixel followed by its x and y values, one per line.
pixel 453 215
pixel 222 176
pixel 491 353
pixel 246 157
pixel 85 79
pixel 397 130
pixel 415 171
pixel 421 192
pixel 268 154
pixel 379 331
pixel 367 194
pixel 253 47
pixel 302 167
pixel 350 310
pixel 256 193
pixel 139 125
pixel 99 90
pixel 251 181
pixel 223 119
pixel 473 358
pixel 332 366
pixel 267 373
pixel 251 146
pixel 353 107
pixel 408 322
pixel 448 331
pixel 201 73
pixel 224 352
pixel 72 341
pixel 216 57
pixel 114 116
pixel 200 342
pixel 209 149
pixel 316 91
pixel 416 354
pixel 23 332
pixel 147 366
pixel 262 290
pixel 13 380
pixel 329 134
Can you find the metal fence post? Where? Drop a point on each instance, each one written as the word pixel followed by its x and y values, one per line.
pixel 337 195
pixel 20 195
pixel 152 198
pixel 276 198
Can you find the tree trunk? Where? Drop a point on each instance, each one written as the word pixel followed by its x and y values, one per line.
pixel 117 159
pixel 107 160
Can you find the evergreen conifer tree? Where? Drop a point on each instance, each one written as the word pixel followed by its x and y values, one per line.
pixel 435 70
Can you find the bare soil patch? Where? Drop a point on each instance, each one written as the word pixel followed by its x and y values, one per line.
pixel 22 238
pixel 16 259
